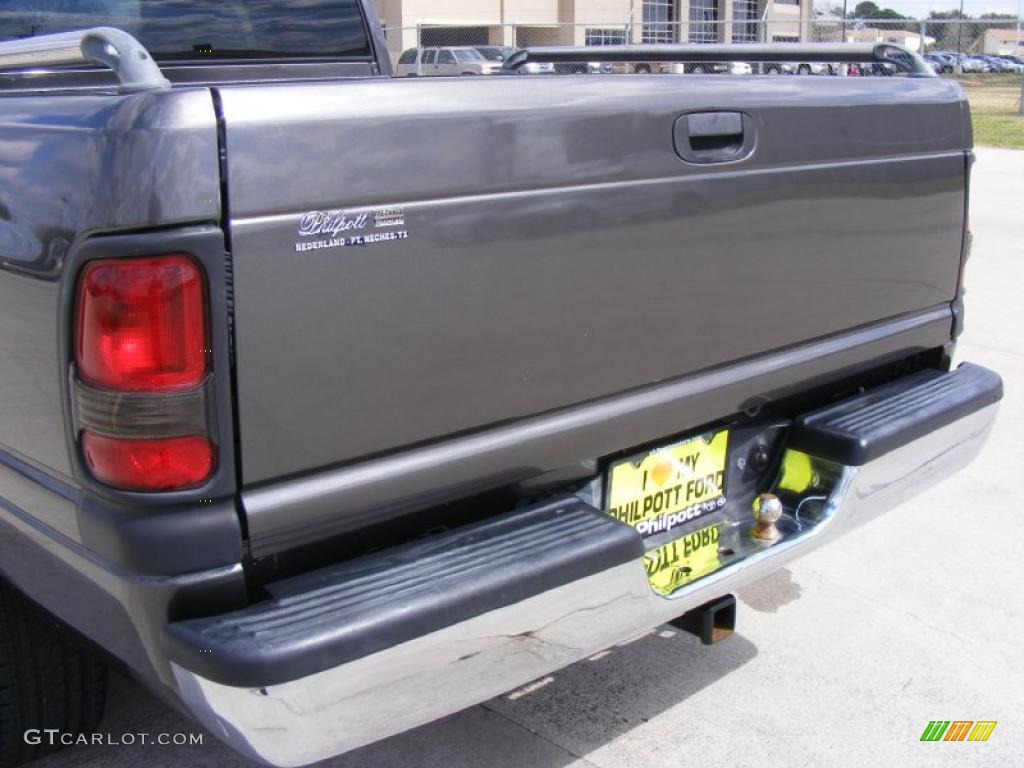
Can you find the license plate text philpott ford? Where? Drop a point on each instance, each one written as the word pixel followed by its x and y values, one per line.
pixel 670 486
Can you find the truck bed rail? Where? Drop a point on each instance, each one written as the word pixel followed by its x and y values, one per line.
pixel 118 50
pixel 775 52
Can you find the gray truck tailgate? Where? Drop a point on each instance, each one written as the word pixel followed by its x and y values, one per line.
pixel 420 258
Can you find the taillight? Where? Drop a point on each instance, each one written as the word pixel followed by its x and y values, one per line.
pixel 148 465
pixel 142 374
pixel 142 325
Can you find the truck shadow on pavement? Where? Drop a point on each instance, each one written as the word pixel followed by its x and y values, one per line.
pixel 547 724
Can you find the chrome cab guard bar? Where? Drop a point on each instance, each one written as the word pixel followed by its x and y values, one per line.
pixel 110 47
pixel 775 52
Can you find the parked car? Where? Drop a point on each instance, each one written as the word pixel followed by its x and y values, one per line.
pixel 717 68
pixel 1016 62
pixel 709 68
pixel 537 68
pixel 1004 63
pixel 807 68
pixel 1012 63
pixel 496 53
pixel 975 64
pixel 795 68
pixel 995 64
pixel 940 62
pixel 584 68
pixel 877 69
pixel 967 63
pixel 333 403
pixel 445 62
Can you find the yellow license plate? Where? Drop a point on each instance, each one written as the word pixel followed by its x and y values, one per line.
pixel 669 486
pixel 679 562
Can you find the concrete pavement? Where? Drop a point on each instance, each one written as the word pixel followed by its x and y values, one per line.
pixel 841 659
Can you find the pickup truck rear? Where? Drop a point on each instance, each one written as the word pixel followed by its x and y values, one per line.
pixel 332 403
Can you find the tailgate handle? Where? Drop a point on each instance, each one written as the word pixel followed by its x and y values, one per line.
pixel 710 124
pixel 713 137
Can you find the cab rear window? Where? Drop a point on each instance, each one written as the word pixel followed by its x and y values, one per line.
pixel 199 30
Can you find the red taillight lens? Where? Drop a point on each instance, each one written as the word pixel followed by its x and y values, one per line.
pixel 141 324
pixel 140 397
pixel 148 465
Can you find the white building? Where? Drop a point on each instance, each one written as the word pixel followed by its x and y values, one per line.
pixel 524 23
pixel 1000 42
pixel 909 40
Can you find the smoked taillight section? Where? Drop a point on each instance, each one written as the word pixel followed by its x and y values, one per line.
pixel 141 384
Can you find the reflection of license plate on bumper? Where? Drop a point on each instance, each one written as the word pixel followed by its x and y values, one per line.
pixel 668 488
pixel 679 562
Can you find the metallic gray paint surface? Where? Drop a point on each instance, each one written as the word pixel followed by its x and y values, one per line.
pixel 57 511
pixel 559 250
pixel 31 405
pixel 324 714
pixel 374 140
pixel 71 165
pixel 305 510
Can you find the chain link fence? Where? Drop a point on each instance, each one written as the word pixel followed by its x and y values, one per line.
pixel 986 55
pixel 969 37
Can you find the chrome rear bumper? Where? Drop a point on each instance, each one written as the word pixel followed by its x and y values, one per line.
pixel 415 682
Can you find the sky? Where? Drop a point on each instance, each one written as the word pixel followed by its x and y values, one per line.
pixel 919 8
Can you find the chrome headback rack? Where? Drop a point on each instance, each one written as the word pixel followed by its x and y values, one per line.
pixel 115 49
pixel 774 52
